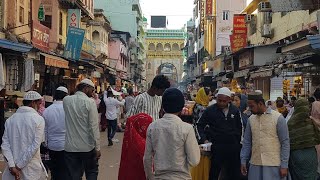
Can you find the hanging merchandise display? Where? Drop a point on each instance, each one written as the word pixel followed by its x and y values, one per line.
pixel 286 86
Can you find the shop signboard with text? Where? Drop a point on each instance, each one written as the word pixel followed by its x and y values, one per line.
pixel 238 41
pixel 209 7
pixel 74 18
pixel 74 43
pixel 40 36
pixel 239 24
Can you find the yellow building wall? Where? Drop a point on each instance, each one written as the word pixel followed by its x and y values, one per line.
pixel 289 24
pixel 23 31
pixel 64 25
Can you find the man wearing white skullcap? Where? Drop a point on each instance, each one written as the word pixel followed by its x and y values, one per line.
pixel 82 142
pixel 24 132
pixel 55 131
pixel 221 124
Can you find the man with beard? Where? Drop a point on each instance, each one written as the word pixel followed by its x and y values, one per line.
pixel 221 125
pixel 82 143
pixel 267 140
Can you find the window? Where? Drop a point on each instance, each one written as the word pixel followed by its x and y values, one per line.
pixel 47 22
pixel 60 23
pixel 225 15
pixel 21 15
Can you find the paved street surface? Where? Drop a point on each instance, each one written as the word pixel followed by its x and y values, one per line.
pixel 109 162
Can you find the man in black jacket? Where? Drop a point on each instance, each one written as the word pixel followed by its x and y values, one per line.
pixel 221 125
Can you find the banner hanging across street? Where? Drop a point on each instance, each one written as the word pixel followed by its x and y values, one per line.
pixel 74 18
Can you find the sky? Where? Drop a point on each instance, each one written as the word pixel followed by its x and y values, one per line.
pixel 178 12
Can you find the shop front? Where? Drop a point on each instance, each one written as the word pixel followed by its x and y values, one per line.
pixel 50 73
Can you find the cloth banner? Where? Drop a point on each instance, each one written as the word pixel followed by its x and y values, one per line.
pixel 28 75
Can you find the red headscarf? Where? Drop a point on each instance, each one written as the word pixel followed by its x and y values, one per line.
pixel 131 165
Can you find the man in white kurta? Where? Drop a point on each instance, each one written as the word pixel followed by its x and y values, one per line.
pixel 21 141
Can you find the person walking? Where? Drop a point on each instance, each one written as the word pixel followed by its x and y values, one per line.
pixel 24 132
pixel 304 136
pixel 112 105
pixel 129 101
pixel 267 140
pixel 221 124
pixel 150 102
pixel 171 145
pixel 55 131
pixel 82 143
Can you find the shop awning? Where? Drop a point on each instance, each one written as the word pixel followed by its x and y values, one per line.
pixel 20 47
pixel 55 61
pixel 111 70
pixel 262 74
pixel 242 73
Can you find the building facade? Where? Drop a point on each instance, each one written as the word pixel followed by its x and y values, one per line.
pixel 126 16
pixel 164 55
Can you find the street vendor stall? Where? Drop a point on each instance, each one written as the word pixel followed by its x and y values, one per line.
pixel 202 171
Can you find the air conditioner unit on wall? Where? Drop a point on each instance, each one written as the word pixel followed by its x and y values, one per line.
pixel 249 18
pixel 266 31
pixel 264 7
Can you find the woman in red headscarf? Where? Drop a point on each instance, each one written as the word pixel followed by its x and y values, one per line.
pixel 131 164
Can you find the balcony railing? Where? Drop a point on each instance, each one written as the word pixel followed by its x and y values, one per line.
pixel 102 48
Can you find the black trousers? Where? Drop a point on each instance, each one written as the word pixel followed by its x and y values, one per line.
pixel 58 165
pixel 226 159
pixel 112 128
pixel 82 162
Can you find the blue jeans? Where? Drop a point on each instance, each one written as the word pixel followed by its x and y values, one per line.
pixel 112 128
pixel 79 163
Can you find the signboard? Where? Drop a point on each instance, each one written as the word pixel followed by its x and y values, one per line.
pixel 74 43
pixel 40 36
pixel 238 41
pixel 74 18
pixel 239 24
pixel 292 5
pixel 245 59
pixel 56 62
pixel 89 47
pixel 202 15
pixel 47 6
pixel 217 66
pixel 209 7
pixel 41 15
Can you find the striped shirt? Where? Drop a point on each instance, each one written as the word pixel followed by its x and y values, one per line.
pixel 144 103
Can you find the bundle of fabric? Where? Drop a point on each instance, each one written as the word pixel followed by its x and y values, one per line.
pixel 302 132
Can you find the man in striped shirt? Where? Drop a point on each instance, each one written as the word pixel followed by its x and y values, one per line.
pixel 150 102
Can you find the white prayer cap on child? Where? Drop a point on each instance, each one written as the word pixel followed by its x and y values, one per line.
pixel 63 89
pixel 32 95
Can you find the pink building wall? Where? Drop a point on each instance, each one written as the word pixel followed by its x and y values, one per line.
pixel 115 54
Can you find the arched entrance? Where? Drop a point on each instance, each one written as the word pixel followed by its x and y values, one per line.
pixel 169 70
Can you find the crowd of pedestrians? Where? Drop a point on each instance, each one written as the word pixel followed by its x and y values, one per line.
pixel 251 138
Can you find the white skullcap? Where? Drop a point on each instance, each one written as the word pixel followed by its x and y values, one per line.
pixel 63 89
pixel 224 91
pixel 233 93
pixel 32 95
pixel 258 91
pixel 88 82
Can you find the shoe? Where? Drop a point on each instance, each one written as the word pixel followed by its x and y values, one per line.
pixel 115 140
pixel 110 143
